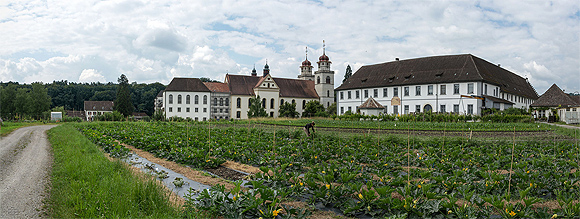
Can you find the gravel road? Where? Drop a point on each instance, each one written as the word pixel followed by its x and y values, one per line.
pixel 25 163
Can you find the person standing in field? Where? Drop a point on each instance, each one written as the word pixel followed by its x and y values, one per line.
pixel 308 127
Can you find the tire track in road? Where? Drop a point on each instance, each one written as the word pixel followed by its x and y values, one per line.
pixel 25 163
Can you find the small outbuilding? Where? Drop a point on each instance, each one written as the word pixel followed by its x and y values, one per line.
pixel 371 107
pixel 56 116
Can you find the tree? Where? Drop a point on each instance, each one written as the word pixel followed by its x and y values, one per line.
pixel 123 102
pixel 314 108
pixel 22 102
pixel 347 74
pixel 288 109
pixel 7 95
pixel 40 101
pixel 203 79
pixel 256 109
pixel 331 110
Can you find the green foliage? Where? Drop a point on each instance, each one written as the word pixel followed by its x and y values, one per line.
pixel 39 100
pixel 288 109
pixel 159 115
pixel 123 100
pixel 347 73
pixel 114 116
pixel 331 109
pixel 204 79
pixel 314 108
pixel 256 109
pixel 85 184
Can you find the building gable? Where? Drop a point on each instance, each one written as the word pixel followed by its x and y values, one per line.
pixel 554 97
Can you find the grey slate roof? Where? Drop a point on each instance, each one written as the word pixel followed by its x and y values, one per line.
pixel 439 69
pixel 99 105
pixel 187 84
pixel 554 97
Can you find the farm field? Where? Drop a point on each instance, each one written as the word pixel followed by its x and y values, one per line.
pixel 367 175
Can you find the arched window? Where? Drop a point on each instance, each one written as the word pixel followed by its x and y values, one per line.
pixel 318 79
pixel 221 101
pixel 327 93
pixel 239 102
pixel 281 102
pixel 215 101
pixel 204 99
pixel 427 108
pixel 249 102
pixel 293 101
pixel 196 100
pixel 227 101
pixel 264 103
pixel 272 103
pixel 179 99
pixel 328 79
pixel 303 104
pixel 170 98
pixel 188 99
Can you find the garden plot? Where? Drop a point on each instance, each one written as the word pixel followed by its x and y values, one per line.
pixel 366 176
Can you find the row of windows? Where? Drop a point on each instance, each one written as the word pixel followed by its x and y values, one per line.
pixel 426 108
pixel 239 103
pixel 406 91
pixel 239 114
pixel 187 109
pixel 187 99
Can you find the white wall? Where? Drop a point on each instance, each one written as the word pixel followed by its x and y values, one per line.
pixel 180 109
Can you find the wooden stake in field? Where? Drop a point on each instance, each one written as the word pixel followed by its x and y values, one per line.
pixel 444 128
pixel 512 162
pixel 408 155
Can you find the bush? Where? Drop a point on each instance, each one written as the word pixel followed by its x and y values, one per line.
pixel 114 116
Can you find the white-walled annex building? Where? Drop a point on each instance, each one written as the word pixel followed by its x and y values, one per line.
pixel 463 84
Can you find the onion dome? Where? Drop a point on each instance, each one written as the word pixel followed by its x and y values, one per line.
pixel 306 63
pixel 323 57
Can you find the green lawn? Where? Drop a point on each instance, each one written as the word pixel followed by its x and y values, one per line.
pixel 86 184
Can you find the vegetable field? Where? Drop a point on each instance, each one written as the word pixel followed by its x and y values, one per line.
pixel 365 176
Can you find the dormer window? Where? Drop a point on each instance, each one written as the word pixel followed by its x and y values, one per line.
pixel 438 75
pixel 407 77
pixel 363 80
pixel 391 79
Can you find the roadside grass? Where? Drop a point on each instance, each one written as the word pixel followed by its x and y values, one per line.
pixel 8 127
pixel 84 183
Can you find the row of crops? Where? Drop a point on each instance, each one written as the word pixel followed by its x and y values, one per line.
pixel 367 176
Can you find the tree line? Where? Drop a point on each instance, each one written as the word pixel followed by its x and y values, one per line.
pixel 34 101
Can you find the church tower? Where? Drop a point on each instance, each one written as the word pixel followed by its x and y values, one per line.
pixel 324 79
pixel 306 69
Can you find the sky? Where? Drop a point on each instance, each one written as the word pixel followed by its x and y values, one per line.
pixel 154 41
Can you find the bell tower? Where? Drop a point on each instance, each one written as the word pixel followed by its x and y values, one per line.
pixel 306 69
pixel 324 79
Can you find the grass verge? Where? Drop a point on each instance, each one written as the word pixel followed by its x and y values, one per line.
pixel 8 127
pixel 86 184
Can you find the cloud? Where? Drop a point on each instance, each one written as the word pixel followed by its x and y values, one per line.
pixel 155 41
pixel 91 75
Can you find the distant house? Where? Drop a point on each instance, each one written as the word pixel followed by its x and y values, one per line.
pixel 554 99
pixel 139 116
pixel 159 101
pixel 93 108
pixel 79 114
pixel 186 98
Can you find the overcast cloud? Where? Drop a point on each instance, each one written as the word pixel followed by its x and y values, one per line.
pixel 154 41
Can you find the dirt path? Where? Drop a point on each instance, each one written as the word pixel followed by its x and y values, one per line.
pixel 25 162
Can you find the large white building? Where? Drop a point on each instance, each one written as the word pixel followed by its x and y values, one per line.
pixel 186 98
pixel 463 84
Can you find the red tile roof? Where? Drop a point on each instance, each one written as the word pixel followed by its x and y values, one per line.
pixel 371 103
pixel 217 87
pixel 244 85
